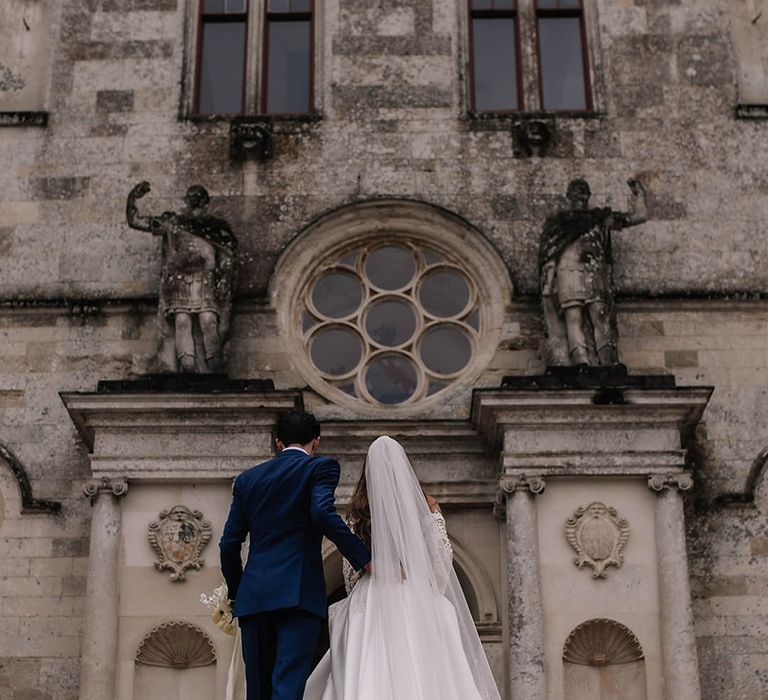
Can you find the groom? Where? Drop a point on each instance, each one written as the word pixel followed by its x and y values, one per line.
pixel 286 505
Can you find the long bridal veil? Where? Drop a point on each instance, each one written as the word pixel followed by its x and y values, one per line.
pixel 418 639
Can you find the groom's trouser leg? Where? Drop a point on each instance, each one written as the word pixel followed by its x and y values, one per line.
pixel 259 637
pixel 297 635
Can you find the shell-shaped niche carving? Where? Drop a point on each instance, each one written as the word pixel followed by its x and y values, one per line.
pixel 176 645
pixel 602 642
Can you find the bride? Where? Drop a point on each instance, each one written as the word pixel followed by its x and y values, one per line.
pixel 404 631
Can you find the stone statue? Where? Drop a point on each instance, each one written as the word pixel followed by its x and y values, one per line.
pixel 198 275
pixel 576 276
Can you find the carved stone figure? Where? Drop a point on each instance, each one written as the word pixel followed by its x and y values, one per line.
pixel 576 276
pixel 598 535
pixel 198 274
pixel 179 538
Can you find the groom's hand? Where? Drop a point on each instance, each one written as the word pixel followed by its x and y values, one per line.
pixel 368 568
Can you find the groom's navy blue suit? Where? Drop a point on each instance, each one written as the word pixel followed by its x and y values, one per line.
pixel 286 505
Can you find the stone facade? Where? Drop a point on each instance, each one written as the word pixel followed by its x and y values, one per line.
pixel 78 290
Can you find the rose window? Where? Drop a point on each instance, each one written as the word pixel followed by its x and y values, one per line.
pixel 391 323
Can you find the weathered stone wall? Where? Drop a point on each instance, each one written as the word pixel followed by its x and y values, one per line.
pixel 391 93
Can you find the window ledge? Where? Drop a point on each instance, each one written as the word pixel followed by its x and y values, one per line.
pixel 274 118
pixel 507 117
pixel 39 119
pixel 752 111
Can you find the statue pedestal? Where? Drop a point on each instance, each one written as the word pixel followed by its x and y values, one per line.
pixel 178 427
pixel 593 472
pixel 159 442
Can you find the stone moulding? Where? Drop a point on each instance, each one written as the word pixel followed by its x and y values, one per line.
pixel 29 504
pixel 509 484
pixel 602 642
pixel 179 538
pixel 598 535
pixel 176 644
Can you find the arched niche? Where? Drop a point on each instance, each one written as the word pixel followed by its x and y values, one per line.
pixel 474 580
pixel 603 660
pixel 175 661
pixel 476 584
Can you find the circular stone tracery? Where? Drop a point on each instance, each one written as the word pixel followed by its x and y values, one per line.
pixel 391 323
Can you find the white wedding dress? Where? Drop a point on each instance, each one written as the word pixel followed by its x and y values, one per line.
pixel 405 631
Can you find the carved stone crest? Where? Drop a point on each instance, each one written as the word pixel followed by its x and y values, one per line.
pixel 598 535
pixel 179 537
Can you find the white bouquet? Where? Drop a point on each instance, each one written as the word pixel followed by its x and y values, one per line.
pixel 221 612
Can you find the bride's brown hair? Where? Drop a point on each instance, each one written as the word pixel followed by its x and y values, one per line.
pixel 359 509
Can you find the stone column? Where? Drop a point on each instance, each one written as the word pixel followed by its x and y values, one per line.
pixel 526 626
pixel 678 640
pixel 98 655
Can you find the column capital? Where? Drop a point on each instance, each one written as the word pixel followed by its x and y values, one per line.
pixel 509 484
pixel 114 487
pixel 660 483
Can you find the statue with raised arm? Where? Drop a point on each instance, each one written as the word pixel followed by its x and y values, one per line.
pixel 196 285
pixel 576 276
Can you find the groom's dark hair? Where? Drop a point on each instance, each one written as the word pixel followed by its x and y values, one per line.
pixel 296 427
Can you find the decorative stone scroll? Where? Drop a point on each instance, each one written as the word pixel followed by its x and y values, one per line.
pixel 602 642
pixel 508 484
pixel 663 482
pixel 115 487
pixel 598 535
pixel 176 645
pixel 179 538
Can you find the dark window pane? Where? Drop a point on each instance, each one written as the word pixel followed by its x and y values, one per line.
pixel 279 5
pixel 337 294
pixel 307 322
pixel 432 257
pixel 221 67
pixel 234 6
pixel 444 293
pixel 391 322
pixel 288 78
pixel 336 351
pixel 558 5
pixel 504 5
pixel 482 4
pixel 435 386
pixel 495 64
pixel 300 6
pixel 390 267
pixel 446 349
pixel 562 63
pixel 391 378
pixel 474 320
pixel 214 6
pixel 546 4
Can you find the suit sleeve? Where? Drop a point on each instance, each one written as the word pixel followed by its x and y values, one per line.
pixel 231 542
pixel 326 519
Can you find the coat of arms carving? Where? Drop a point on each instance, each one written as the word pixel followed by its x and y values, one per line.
pixel 179 537
pixel 598 535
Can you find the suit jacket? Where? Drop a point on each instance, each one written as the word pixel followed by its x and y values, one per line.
pixel 286 505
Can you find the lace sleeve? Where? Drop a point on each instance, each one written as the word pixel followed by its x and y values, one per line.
pixel 351 577
pixel 442 533
pixel 444 566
